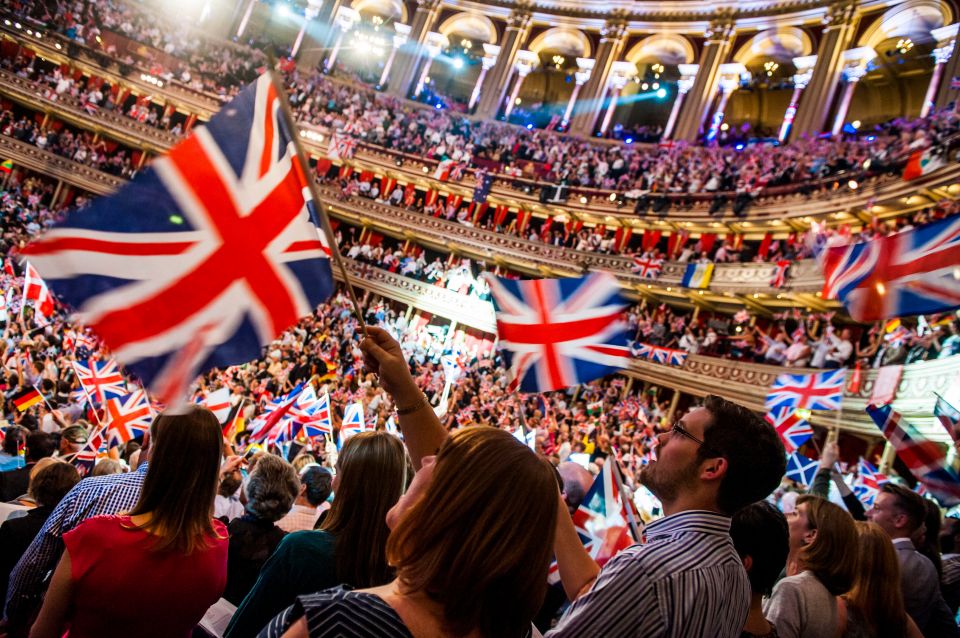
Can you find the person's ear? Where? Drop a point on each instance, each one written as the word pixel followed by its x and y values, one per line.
pixel 714 469
pixel 747 563
pixel 809 536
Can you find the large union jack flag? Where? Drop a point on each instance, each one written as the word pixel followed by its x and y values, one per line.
pixel 101 380
pixel 868 483
pixel 647 267
pixel 793 430
pixel 556 333
pixel 127 417
pixel 919 453
pixel 909 273
pixel 819 391
pixel 219 238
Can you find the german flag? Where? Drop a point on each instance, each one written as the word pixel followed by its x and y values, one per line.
pixel 28 399
pixel 329 374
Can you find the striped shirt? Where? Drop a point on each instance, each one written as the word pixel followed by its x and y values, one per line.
pixel 338 612
pixel 686 580
pixel 90 497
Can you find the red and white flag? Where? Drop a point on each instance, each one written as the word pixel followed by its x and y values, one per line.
pixel 35 289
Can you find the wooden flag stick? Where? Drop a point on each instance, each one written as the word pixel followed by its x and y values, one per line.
pixel 321 210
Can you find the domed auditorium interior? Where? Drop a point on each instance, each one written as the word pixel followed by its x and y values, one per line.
pixel 327 234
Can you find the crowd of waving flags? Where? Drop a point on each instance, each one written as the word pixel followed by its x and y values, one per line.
pixel 659 354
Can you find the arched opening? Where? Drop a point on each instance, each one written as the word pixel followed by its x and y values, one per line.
pixel 454 72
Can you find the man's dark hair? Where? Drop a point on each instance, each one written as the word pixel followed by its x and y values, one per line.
pixel 755 455
pixel 759 531
pixel 319 484
pixel 13 438
pixel 908 502
pixel 53 482
pixel 229 484
pixel 40 445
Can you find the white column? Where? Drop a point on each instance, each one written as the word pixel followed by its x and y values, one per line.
pixel 433 46
pixel 620 72
pixel 856 67
pixel 403 32
pixel 487 64
pixel 246 18
pixel 344 21
pixel 688 73
pixel 941 56
pixel 525 62
pixel 801 79
pixel 729 81
pixel 584 69
pixel 311 12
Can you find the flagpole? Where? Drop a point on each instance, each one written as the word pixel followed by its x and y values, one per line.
pixel 623 498
pixel 321 209
pixel 87 394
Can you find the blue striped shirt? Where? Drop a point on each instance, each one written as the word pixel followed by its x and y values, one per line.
pixel 90 497
pixel 686 580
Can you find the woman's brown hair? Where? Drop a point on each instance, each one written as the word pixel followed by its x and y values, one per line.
pixel 876 591
pixel 182 479
pixel 830 556
pixel 480 539
pixel 372 471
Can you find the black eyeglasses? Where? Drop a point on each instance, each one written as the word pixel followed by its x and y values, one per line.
pixel 679 429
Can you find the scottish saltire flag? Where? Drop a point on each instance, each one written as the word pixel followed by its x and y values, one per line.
pixel 818 391
pixel 908 273
pixel 218 237
pixel 868 483
pixel 919 453
pixel 948 416
pixel 352 421
pixel 556 333
pixel 603 522
pixel 697 275
pixel 451 369
pixel 100 379
pixel 793 430
pixel 127 417
pixel 801 469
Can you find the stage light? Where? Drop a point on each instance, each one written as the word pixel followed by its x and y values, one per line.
pixel 517 101
pixel 662 93
pixel 457 63
pixel 739 147
pixel 629 140
pixel 529 127
pixel 283 11
pixel 583 200
pixel 853 184
pixel 655 86
pixel 613 197
pixel 724 127
pixel 644 86
pixel 439 105
pixel 855 124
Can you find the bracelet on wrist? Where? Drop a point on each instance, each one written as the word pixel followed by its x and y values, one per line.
pixel 413 407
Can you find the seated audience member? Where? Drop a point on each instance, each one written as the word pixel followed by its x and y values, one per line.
pixel 900 512
pixel 14 439
pixel 254 536
pixel 820 567
pixel 48 485
pixel 349 548
pixel 72 440
pixel 315 488
pixel 14 483
pixel 156 570
pixel 91 497
pixel 760 536
pixel 105 467
pixel 467 563
pixel 949 544
pixel 874 604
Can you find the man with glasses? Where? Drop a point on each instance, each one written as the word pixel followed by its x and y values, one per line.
pixel 686 578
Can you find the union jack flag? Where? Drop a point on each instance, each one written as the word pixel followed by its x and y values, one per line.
pixel 220 233
pixel 660 355
pixel 919 453
pixel 948 416
pixel 353 422
pixel 604 523
pixel 677 357
pixel 274 415
pixel 780 274
pixel 868 483
pixel 320 420
pixel 642 350
pixel 647 267
pixel 100 379
pixel 801 469
pixel 86 458
pixel 819 391
pixel 127 417
pixel 909 273
pixel 341 147
pixel 793 430
pixel 556 333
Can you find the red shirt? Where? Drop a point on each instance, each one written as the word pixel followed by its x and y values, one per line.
pixel 123 588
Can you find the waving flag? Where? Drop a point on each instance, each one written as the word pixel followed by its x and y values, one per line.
pixel 603 522
pixel 919 453
pixel 868 483
pixel 793 430
pixel 697 275
pixel 908 273
pixel 127 417
pixel 779 279
pixel 801 469
pixel 819 391
pixel 948 416
pixel 352 421
pixel 451 369
pixel 100 379
pixel 220 233
pixel 86 458
pixel 274 415
pixel 218 402
pixel 556 333
pixel 35 289
pixel 647 267
pixel 319 421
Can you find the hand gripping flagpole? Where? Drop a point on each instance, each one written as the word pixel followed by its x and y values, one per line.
pixel 321 209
